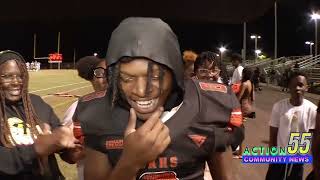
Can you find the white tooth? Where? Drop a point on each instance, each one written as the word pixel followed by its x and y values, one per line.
pixel 145 104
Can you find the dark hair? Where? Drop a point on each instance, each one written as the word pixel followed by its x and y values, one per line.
pixel 114 79
pixel 236 57
pixel 31 117
pixel 210 56
pixel 296 74
pixel 86 65
pixel 246 74
pixel 202 59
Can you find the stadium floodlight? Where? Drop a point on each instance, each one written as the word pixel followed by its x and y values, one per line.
pixel 315 17
pixel 222 49
pixel 255 37
pixel 310 43
pixel 258 51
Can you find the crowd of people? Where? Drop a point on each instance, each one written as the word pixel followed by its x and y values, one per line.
pixel 33 66
pixel 154 114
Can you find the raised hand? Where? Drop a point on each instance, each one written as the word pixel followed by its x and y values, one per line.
pixel 49 142
pixel 144 144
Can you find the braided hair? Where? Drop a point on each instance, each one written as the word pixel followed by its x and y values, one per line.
pixel 31 117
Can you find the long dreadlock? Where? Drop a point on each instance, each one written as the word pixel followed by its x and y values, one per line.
pixel 31 117
pixel 114 77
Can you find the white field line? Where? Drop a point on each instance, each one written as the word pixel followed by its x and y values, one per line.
pixel 49 95
pixel 56 87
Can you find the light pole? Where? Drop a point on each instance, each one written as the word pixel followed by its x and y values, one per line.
pixel 315 17
pixel 222 49
pixel 257 52
pixel 244 46
pixel 310 43
pixel 255 37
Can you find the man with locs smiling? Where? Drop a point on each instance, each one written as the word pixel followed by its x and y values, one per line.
pixel 152 123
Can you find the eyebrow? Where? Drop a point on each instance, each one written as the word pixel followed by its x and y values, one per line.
pixel 125 73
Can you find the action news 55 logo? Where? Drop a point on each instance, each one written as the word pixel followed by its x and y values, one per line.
pixel 297 152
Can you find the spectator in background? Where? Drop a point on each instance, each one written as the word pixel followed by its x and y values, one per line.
pixel 272 75
pixel 28 66
pixel 295 114
pixel 38 64
pixel 246 94
pixel 92 69
pixel 236 61
pixel 208 67
pixel 189 58
pixel 285 80
pixel 246 98
pixel 30 131
pixel 256 79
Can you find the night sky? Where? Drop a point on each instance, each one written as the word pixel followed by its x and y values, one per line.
pixel 91 34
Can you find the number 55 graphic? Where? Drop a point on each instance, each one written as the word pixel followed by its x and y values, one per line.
pixel 299 143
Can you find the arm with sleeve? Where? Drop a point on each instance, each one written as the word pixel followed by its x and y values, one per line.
pixel 312 118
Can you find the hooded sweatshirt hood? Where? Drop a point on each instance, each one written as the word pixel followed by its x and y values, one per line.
pixel 150 38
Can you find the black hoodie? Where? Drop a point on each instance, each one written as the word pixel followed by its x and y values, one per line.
pixel 196 129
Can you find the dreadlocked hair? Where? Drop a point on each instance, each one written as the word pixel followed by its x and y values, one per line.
pixel 114 79
pixel 31 117
pixel 210 56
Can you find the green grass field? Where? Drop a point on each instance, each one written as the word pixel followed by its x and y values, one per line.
pixel 46 83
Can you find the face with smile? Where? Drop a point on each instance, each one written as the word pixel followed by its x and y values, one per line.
pixel 133 84
pixel 208 71
pixel 11 81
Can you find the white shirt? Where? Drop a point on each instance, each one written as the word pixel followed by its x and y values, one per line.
pixel 282 114
pixel 237 75
pixel 67 118
pixel 168 114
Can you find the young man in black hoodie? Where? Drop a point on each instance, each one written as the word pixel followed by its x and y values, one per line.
pixel 152 124
pixel 30 132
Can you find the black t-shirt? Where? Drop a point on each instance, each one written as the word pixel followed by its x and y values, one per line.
pixel 197 129
pixel 21 162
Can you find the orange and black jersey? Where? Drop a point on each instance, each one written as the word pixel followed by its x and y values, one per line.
pixel 197 129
